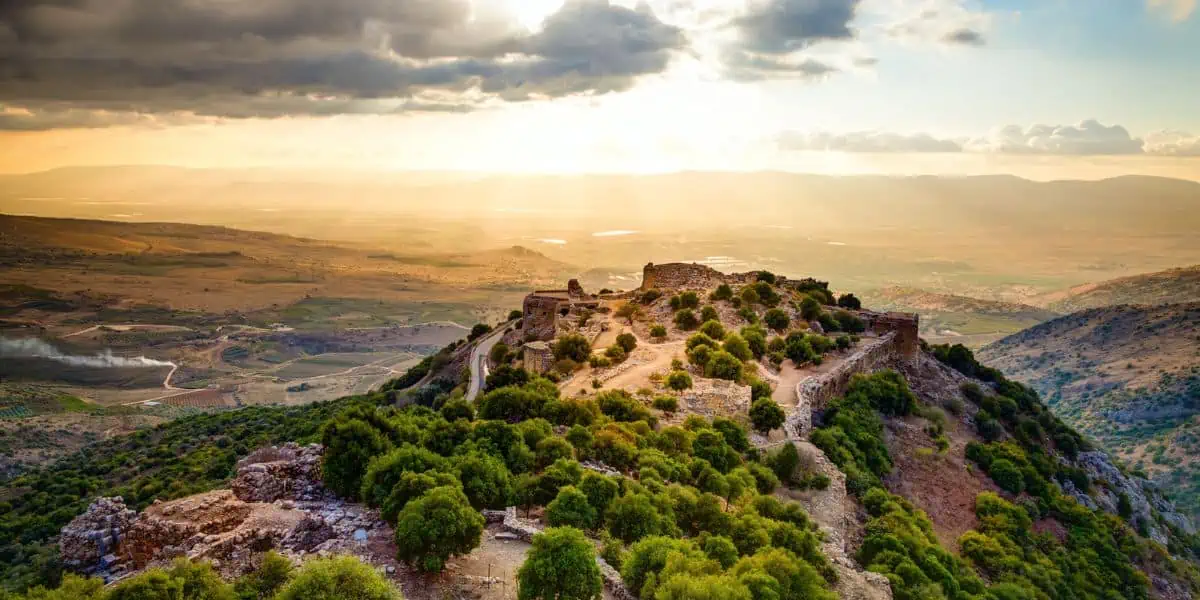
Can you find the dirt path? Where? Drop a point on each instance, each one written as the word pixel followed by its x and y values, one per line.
pixel 785 390
pixel 634 373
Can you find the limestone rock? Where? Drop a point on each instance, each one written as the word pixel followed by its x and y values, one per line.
pixel 288 472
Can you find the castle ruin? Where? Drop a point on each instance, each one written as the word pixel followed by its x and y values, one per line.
pixel 542 309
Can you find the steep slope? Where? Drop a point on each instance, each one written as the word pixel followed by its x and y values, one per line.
pixel 1164 287
pixel 1128 376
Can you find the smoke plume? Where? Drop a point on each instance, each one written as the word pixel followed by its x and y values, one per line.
pixel 35 348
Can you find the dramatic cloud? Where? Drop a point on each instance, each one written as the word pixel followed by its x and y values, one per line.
pixel 1089 138
pixel 1086 138
pixel 1177 10
pixel 269 58
pixel 772 33
pixel 866 141
pixel 1172 143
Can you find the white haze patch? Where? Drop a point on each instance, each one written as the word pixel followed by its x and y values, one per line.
pixel 35 348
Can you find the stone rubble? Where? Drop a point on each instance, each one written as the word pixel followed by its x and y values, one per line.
pixel 88 543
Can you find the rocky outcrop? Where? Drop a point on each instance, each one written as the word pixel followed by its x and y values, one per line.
pixel 89 543
pixel 1145 499
pixel 291 472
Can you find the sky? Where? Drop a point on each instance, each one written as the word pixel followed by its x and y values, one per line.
pixel 1045 89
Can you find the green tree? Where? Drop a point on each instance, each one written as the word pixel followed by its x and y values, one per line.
pixel 1007 475
pixel 340 578
pixel 723 365
pixel 849 301
pixel 185 580
pixel 561 565
pixel 627 342
pixel 679 380
pixel 765 415
pixel 738 347
pixel 349 447
pixel 756 340
pixel 505 375
pixel 750 295
pixel 721 549
pixel 500 353
pixel 708 313
pixel 686 320
pixel 514 314
pixel 658 331
pixel 478 331
pixel 648 557
pixel 723 292
pixel 458 408
pixel 777 319
pixel 485 479
pixel 384 472
pixel 435 527
pixel 600 490
pixel 629 311
pixel 571 508
pixel 810 308
pixel 635 516
pixel 572 346
pixel 689 300
pixel 714 330
pixel 410 487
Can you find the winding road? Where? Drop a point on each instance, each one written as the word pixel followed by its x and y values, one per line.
pixel 479 360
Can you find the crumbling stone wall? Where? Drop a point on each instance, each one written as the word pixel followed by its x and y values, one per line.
pixel 814 393
pixel 540 314
pixel 905 325
pixel 678 276
pixel 538 357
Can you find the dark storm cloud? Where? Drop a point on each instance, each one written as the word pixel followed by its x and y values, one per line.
pixel 272 58
pixel 772 31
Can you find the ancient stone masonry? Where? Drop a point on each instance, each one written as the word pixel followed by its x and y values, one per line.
pixel 269 474
pixel 687 276
pixel 539 357
pixel 814 393
pixel 542 309
pixel 88 543
pixel 905 325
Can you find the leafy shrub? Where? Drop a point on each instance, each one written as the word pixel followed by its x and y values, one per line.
pixel 668 404
pixel 777 319
pixel 336 579
pixel 599 362
pixel 485 479
pixel 615 353
pixel 686 320
pixel 649 296
pixel 658 331
pixel 572 346
pixel 810 308
pixel 385 471
pixel 709 313
pixel 679 381
pixel 1007 475
pixel 410 487
pixel 713 330
pixel 621 406
pixel 849 301
pixel 561 565
pixel 723 292
pixel 458 408
pixel 723 365
pixel 848 322
pixel 747 314
pixel 436 526
pixel 737 346
pixel 571 509
pixel 765 415
pixel 349 447
pixel 689 300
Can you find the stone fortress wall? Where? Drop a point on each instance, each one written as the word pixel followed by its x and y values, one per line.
pixel 542 308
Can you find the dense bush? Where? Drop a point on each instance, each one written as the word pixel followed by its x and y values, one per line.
pixel 777 319
pixel 561 565
pixel 709 313
pixel 849 301
pixel 350 445
pixel 737 346
pixel 679 380
pixel 713 330
pixel 658 331
pixel 723 365
pixel 686 320
pixel 765 415
pixel 723 292
pixel 571 509
pixel 572 346
pixel 627 342
pixel 436 526
pixel 337 579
